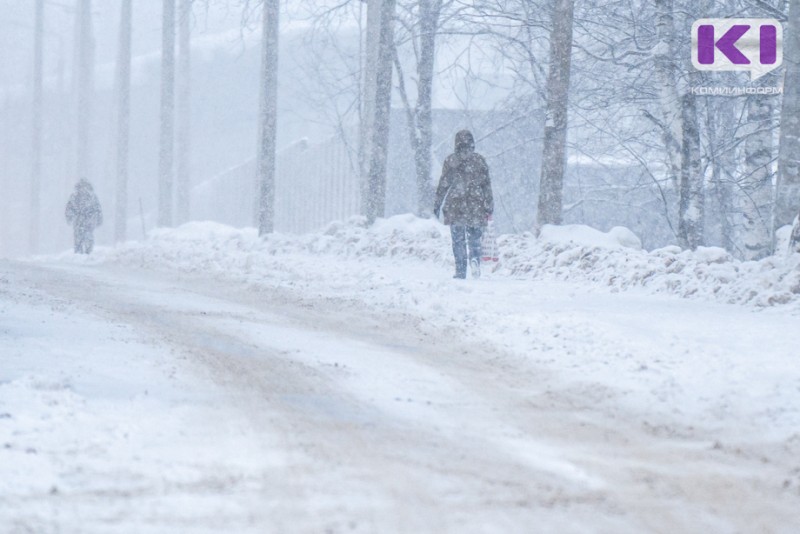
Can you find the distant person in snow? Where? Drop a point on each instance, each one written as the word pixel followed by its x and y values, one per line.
pixel 84 214
pixel 464 196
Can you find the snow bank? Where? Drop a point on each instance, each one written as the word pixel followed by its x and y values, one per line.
pixel 578 234
pixel 575 253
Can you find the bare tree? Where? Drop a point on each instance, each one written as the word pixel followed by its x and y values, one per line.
pixel 123 118
pixel 555 128
pixel 692 194
pixel 720 122
pixel 755 193
pixel 166 144
pixel 788 186
pixel 36 126
pixel 423 36
pixel 184 109
pixel 268 115
pixel 378 77
pixel 670 104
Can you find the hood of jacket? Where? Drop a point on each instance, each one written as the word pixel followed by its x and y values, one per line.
pixel 464 142
pixel 84 186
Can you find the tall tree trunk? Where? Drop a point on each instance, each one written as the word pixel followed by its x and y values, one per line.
pixel 788 187
pixel 84 86
pixel 429 11
pixel 36 126
pixel 184 110
pixel 555 127
pixel 167 141
pixel 268 118
pixel 382 29
pixel 754 195
pixel 669 101
pixel 369 59
pixel 123 118
pixel 375 201
pixel 692 195
pixel 720 187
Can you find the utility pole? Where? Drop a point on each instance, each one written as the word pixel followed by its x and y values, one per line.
pixel 555 128
pixel 268 118
pixel 85 85
pixel 123 119
pixel 36 127
pixel 184 110
pixel 167 142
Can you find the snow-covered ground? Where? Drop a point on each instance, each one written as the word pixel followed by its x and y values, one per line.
pixel 342 381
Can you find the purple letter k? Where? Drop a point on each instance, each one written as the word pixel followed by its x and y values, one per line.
pixel 726 44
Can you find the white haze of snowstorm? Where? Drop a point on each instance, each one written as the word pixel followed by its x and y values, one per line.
pixel 225 92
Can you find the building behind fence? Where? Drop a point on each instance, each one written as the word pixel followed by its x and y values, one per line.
pixel 317 183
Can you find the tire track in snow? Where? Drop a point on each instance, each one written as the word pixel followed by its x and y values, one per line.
pixel 482 451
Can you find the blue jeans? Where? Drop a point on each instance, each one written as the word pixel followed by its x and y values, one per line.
pixel 84 239
pixel 466 244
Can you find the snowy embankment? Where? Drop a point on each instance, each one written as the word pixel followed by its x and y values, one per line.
pixel 612 260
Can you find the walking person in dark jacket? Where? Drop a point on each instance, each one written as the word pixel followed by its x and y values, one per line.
pixel 84 214
pixel 464 195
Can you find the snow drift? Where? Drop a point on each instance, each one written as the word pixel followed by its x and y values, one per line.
pixel 575 253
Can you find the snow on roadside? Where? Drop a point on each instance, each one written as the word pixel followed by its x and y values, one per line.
pixel 643 350
pixel 721 375
pixel 575 253
pixel 92 412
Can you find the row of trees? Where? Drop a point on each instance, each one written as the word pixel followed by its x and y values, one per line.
pixel 611 80
pixel 174 146
pixel 621 72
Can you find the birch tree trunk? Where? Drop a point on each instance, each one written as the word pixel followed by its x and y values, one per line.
pixel 268 115
pixel 669 101
pixel 555 128
pixel 788 186
pixel 85 86
pixel 375 201
pixel 123 118
pixel 36 126
pixel 429 11
pixel 692 201
pixel 720 119
pixel 184 110
pixel 754 195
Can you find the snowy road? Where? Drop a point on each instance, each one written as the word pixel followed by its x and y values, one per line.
pixel 222 404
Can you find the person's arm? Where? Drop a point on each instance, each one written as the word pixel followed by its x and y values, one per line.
pixel 69 213
pixel 441 190
pixel 99 211
pixel 487 191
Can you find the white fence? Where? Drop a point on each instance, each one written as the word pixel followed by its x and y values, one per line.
pixel 315 184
